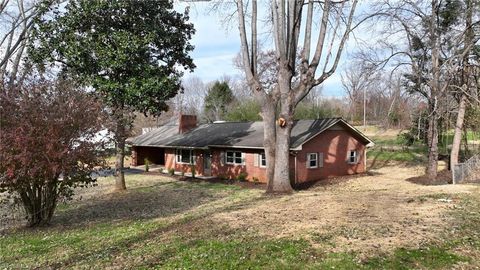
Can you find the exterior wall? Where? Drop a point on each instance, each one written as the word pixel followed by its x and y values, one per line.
pixel 169 158
pixel 219 168
pixel 170 162
pixel 155 155
pixel 231 171
pixel 335 146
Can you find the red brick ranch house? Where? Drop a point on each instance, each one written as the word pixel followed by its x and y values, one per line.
pixel 319 149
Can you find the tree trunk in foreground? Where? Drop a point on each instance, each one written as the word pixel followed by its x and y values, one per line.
pixel 457 135
pixel 269 142
pixel 432 137
pixel 282 141
pixel 282 160
pixel 120 155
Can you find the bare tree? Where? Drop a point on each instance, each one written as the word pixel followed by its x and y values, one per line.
pixel 356 81
pixel 423 50
pixel 190 100
pixel 16 20
pixel 467 81
pixel 316 66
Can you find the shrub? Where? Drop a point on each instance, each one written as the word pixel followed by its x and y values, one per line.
pixel 242 176
pixel 406 138
pixel 256 181
pixel 147 164
pixel 48 132
pixel 171 171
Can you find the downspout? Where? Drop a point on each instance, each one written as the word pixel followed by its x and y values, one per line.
pixel 295 168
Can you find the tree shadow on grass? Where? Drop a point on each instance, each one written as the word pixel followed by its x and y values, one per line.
pixel 192 223
pixel 160 200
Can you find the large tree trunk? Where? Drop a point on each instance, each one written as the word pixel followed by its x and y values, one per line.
pixel 432 138
pixel 120 154
pixel 457 135
pixel 268 116
pixel 281 183
pixel 282 160
pixel 432 135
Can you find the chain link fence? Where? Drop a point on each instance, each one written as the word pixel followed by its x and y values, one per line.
pixel 468 171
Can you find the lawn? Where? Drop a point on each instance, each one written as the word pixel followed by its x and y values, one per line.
pixel 365 222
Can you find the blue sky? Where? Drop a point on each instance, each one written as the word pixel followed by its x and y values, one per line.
pixel 216 44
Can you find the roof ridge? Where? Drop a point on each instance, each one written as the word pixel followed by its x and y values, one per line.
pixel 233 122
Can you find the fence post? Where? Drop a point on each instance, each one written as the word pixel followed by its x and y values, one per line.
pixel 454 180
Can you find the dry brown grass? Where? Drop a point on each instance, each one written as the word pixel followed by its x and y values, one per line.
pixel 377 212
pixel 369 214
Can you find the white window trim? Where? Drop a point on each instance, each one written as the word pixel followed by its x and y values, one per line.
pixel 234 163
pixel 309 159
pixel 355 156
pixel 260 160
pixel 178 157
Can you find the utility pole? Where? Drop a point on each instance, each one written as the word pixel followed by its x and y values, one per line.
pixel 365 109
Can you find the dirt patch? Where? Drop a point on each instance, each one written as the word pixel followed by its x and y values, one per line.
pixel 330 181
pixel 443 178
pixel 365 214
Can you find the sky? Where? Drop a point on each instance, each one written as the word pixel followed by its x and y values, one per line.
pixel 216 45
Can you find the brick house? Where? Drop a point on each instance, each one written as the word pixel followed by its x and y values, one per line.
pixel 319 149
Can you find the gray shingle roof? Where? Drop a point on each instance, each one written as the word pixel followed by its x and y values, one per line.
pixel 157 137
pixel 234 134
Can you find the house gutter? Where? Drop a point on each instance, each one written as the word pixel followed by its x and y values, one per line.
pixel 232 146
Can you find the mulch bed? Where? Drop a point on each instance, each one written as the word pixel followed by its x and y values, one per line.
pixel 443 178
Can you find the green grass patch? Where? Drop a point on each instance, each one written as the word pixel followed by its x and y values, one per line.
pixel 430 257
pixel 407 155
pixel 240 254
pixel 447 137
pixel 41 247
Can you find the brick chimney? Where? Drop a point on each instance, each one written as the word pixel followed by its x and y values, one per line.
pixel 187 122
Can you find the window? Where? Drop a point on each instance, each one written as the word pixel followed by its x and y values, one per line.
pixel 184 156
pixel 263 160
pixel 234 157
pixel 312 160
pixel 352 157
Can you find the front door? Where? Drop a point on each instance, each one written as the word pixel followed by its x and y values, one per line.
pixel 207 163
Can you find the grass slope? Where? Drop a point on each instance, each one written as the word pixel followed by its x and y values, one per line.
pixel 163 224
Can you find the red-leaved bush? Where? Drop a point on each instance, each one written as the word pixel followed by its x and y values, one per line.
pixel 48 144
